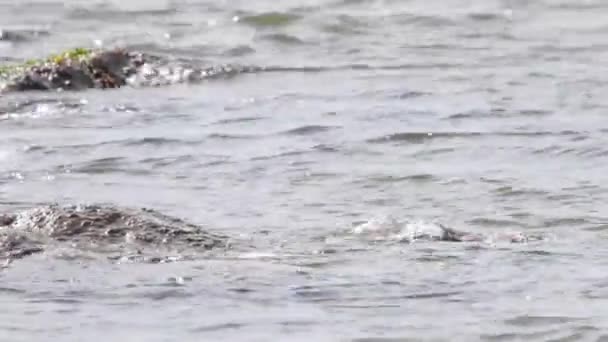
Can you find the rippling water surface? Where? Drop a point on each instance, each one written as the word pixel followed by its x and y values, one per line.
pixel 487 116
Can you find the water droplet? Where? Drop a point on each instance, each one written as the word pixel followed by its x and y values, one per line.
pixel 17 175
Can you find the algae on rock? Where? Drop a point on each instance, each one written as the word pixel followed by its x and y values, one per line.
pixel 79 68
pixel 82 68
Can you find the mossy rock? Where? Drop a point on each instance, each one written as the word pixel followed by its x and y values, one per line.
pixel 82 68
pixel 77 54
pixel 73 69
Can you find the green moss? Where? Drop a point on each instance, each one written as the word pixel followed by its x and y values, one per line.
pixel 4 69
pixel 76 55
pixel 8 70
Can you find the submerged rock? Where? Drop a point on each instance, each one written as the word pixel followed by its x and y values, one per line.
pixel 80 69
pixel 101 228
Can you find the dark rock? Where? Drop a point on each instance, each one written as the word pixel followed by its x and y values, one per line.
pixel 82 69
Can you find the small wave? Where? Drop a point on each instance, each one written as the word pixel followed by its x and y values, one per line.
pixel 279 155
pixel 566 221
pixel 157 141
pixel 509 191
pixel 436 258
pixel 433 21
pixel 597 228
pixel 21 35
pixel 534 112
pixel 11 290
pixel 553 149
pixel 269 19
pixel 218 327
pixel 116 14
pixel 582 5
pixel 528 321
pixel 309 129
pixel 239 120
pixel 421 177
pixel 169 294
pixel 433 151
pixel 239 51
pixel 486 16
pixel 283 38
pixel 98 166
pixel 537 252
pixel 419 137
pixel 346 24
pixel 158 162
pixel 326 148
pixel 493 222
pixel 412 94
pixel 226 136
pixel 460 116
pixel 430 295
pixel 487 35
pixel 314 294
pixel 341 3
pixel 590 152
pixel 497 112
pixel 534 133
pixel 37 107
pixel 548 335
pixel 593 152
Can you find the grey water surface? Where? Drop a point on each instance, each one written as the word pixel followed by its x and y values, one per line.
pixel 389 115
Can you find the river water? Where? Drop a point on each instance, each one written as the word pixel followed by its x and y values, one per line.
pixel 487 116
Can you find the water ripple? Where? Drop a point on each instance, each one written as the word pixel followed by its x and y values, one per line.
pixel 269 19
pixel 309 129
pixel 22 35
pixel 419 137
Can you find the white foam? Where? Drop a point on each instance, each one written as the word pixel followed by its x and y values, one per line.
pixel 389 229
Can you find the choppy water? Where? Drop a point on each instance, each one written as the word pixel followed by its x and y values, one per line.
pixel 487 116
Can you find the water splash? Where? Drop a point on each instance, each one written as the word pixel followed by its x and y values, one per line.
pixel 388 228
